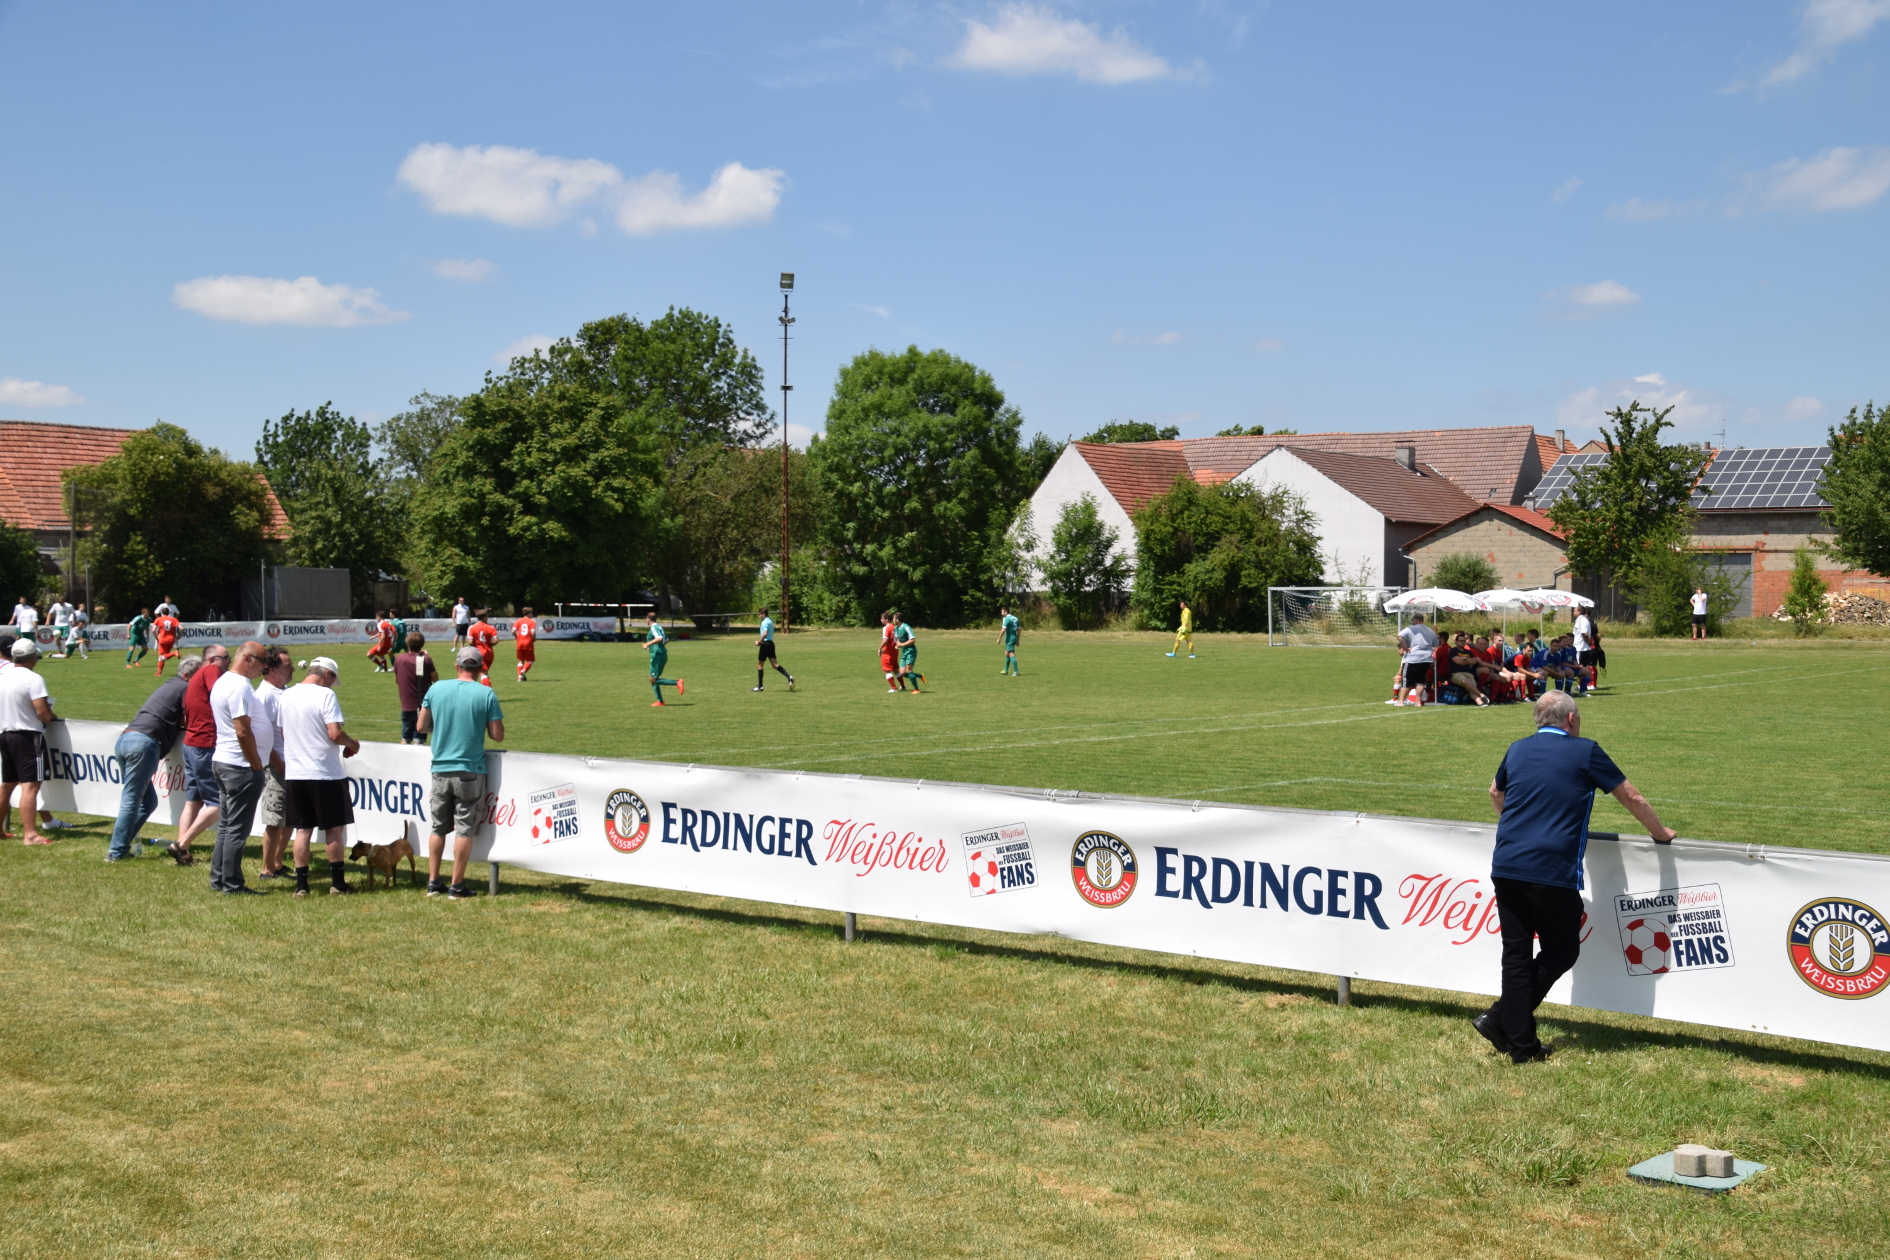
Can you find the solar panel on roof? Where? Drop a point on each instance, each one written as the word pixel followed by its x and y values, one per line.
pixel 1755 477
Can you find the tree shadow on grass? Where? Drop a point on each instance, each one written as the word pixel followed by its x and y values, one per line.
pixel 1595 1036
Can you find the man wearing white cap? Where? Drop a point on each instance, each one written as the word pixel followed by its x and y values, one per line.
pixel 25 708
pixel 313 743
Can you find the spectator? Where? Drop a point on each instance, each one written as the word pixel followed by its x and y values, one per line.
pixel 1700 604
pixel 202 794
pixel 414 672
pixel 314 740
pixel 25 708
pixel 25 618
pixel 462 621
pixel 272 806
pixel 1417 642
pixel 141 749
pixel 242 731
pixel 46 820
pixel 1543 793
pixel 460 714
pixel 1462 668
pixel 169 609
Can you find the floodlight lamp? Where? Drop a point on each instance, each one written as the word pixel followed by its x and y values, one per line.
pixel 787 281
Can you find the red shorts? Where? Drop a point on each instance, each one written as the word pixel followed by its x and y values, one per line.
pixel 485 656
pixel 527 652
pixel 167 647
pixel 888 664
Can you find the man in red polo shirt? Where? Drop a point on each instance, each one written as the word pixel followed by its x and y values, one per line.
pixel 202 793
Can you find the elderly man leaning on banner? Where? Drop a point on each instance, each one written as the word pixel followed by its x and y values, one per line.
pixel 143 746
pixel 1544 792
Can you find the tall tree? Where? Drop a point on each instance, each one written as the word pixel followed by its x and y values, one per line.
pixel 1134 431
pixel 21 572
pixel 409 439
pixel 1220 548
pixel 1617 514
pixel 545 491
pixel 168 516
pixel 1857 486
pixel 321 465
pixel 1039 457
pixel 1084 575
pixel 722 521
pixel 922 464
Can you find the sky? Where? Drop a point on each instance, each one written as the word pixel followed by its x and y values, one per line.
pixel 1315 215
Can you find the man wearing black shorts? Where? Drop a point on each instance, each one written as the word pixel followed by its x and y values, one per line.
pixel 25 708
pixel 314 740
pixel 1416 642
pixel 764 654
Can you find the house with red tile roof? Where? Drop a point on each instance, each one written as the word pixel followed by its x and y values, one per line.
pixel 1521 544
pixel 34 454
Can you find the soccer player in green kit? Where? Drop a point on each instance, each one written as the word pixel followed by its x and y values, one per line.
pixel 140 626
pixel 658 646
pixel 908 652
pixel 1009 634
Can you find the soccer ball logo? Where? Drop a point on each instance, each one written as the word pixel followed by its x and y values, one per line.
pixel 984 873
pixel 1645 942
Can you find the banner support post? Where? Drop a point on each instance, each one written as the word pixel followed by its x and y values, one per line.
pixel 853 926
pixel 493 881
pixel 1345 982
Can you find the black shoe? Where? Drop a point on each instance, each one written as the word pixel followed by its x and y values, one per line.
pixel 276 875
pixel 459 892
pixel 436 888
pixel 1538 1055
pixel 244 890
pixel 1492 1031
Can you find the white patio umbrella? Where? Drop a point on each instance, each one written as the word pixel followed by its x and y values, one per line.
pixel 1559 599
pixel 1434 598
pixel 1504 599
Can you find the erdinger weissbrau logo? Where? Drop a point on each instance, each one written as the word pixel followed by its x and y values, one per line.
pixel 626 821
pixel 1840 947
pixel 1103 868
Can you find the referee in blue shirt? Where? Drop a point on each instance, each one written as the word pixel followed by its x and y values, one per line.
pixel 1544 792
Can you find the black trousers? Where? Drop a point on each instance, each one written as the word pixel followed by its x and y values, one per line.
pixel 1531 912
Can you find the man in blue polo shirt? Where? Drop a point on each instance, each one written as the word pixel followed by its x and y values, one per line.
pixel 1544 792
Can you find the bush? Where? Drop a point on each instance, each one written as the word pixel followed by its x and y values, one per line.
pixel 1220 548
pixel 21 572
pixel 1084 576
pixel 1463 571
pixel 1665 581
pixel 1804 597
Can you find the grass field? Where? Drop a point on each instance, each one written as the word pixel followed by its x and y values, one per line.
pixel 597 1069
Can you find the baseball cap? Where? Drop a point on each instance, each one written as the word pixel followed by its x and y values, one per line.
pixel 324 663
pixel 469 658
pixel 23 648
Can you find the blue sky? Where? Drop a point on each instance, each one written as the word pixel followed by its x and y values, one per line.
pixel 1318 215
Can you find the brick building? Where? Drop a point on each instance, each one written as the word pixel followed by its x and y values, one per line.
pixel 1523 545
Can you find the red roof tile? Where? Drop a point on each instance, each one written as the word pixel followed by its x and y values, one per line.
pixel 1526 516
pixel 1393 490
pixel 1486 464
pixel 1547 454
pixel 1135 472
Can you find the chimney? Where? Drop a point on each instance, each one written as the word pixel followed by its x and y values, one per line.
pixel 1561 440
pixel 1407 455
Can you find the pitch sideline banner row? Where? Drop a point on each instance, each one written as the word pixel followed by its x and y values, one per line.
pixel 199 634
pixel 1783 941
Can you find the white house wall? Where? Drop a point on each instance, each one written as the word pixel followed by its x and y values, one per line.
pixel 1351 531
pixel 1069 479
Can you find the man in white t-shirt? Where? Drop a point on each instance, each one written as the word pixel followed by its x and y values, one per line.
pixel 169 609
pixel 314 740
pixel 1416 666
pixel 76 629
pixel 25 708
pixel 1699 601
pixel 462 621
pixel 274 805
pixel 242 731
pixel 26 617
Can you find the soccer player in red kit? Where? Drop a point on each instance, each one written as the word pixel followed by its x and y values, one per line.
pixel 484 636
pixel 383 643
pixel 167 628
pixel 889 654
pixel 525 642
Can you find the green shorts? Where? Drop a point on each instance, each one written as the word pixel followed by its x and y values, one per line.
pixel 658 659
pixel 1010 643
pixel 908 656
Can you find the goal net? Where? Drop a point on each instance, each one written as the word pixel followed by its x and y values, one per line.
pixel 1331 616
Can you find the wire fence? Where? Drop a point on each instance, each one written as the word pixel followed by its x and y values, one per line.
pixel 1331 616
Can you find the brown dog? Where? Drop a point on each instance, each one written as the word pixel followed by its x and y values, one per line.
pixel 384 858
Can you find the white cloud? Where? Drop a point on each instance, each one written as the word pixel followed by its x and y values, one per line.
pixel 525 188
pixel 1636 210
pixel 1567 190
pixel 881 311
pixel 263 300
pixel 1836 179
pixel 1269 345
pixel 735 197
pixel 1826 26
pixel 797 436
pixel 1026 39
pixel 1121 338
pixel 15 392
pixel 1803 408
pixel 1587 408
pixel 1584 301
pixel 465 268
pixel 1652 378
pixel 523 348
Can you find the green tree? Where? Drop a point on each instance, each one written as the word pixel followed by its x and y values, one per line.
pixel 722 522
pixel 922 463
pixel 409 439
pixel 1804 595
pixel 1014 562
pixel 1462 571
pixel 21 572
pixel 1664 582
pixel 545 491
pixel 1635 505
pixel 1857 486
pixel 1220 548
pixel 1133 431
pixel 321 465
pixel 1257 430
pixel 1084 576
pixel 167 515
pixel 1039 457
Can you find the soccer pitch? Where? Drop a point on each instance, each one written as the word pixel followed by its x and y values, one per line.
pixel 599 1069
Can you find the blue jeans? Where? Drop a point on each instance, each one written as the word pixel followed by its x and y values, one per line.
pixel 138 760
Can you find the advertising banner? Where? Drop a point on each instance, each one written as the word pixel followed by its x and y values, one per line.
pixel 1785 941
pixel 201 634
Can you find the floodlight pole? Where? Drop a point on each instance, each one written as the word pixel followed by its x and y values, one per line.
pixel 787 288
